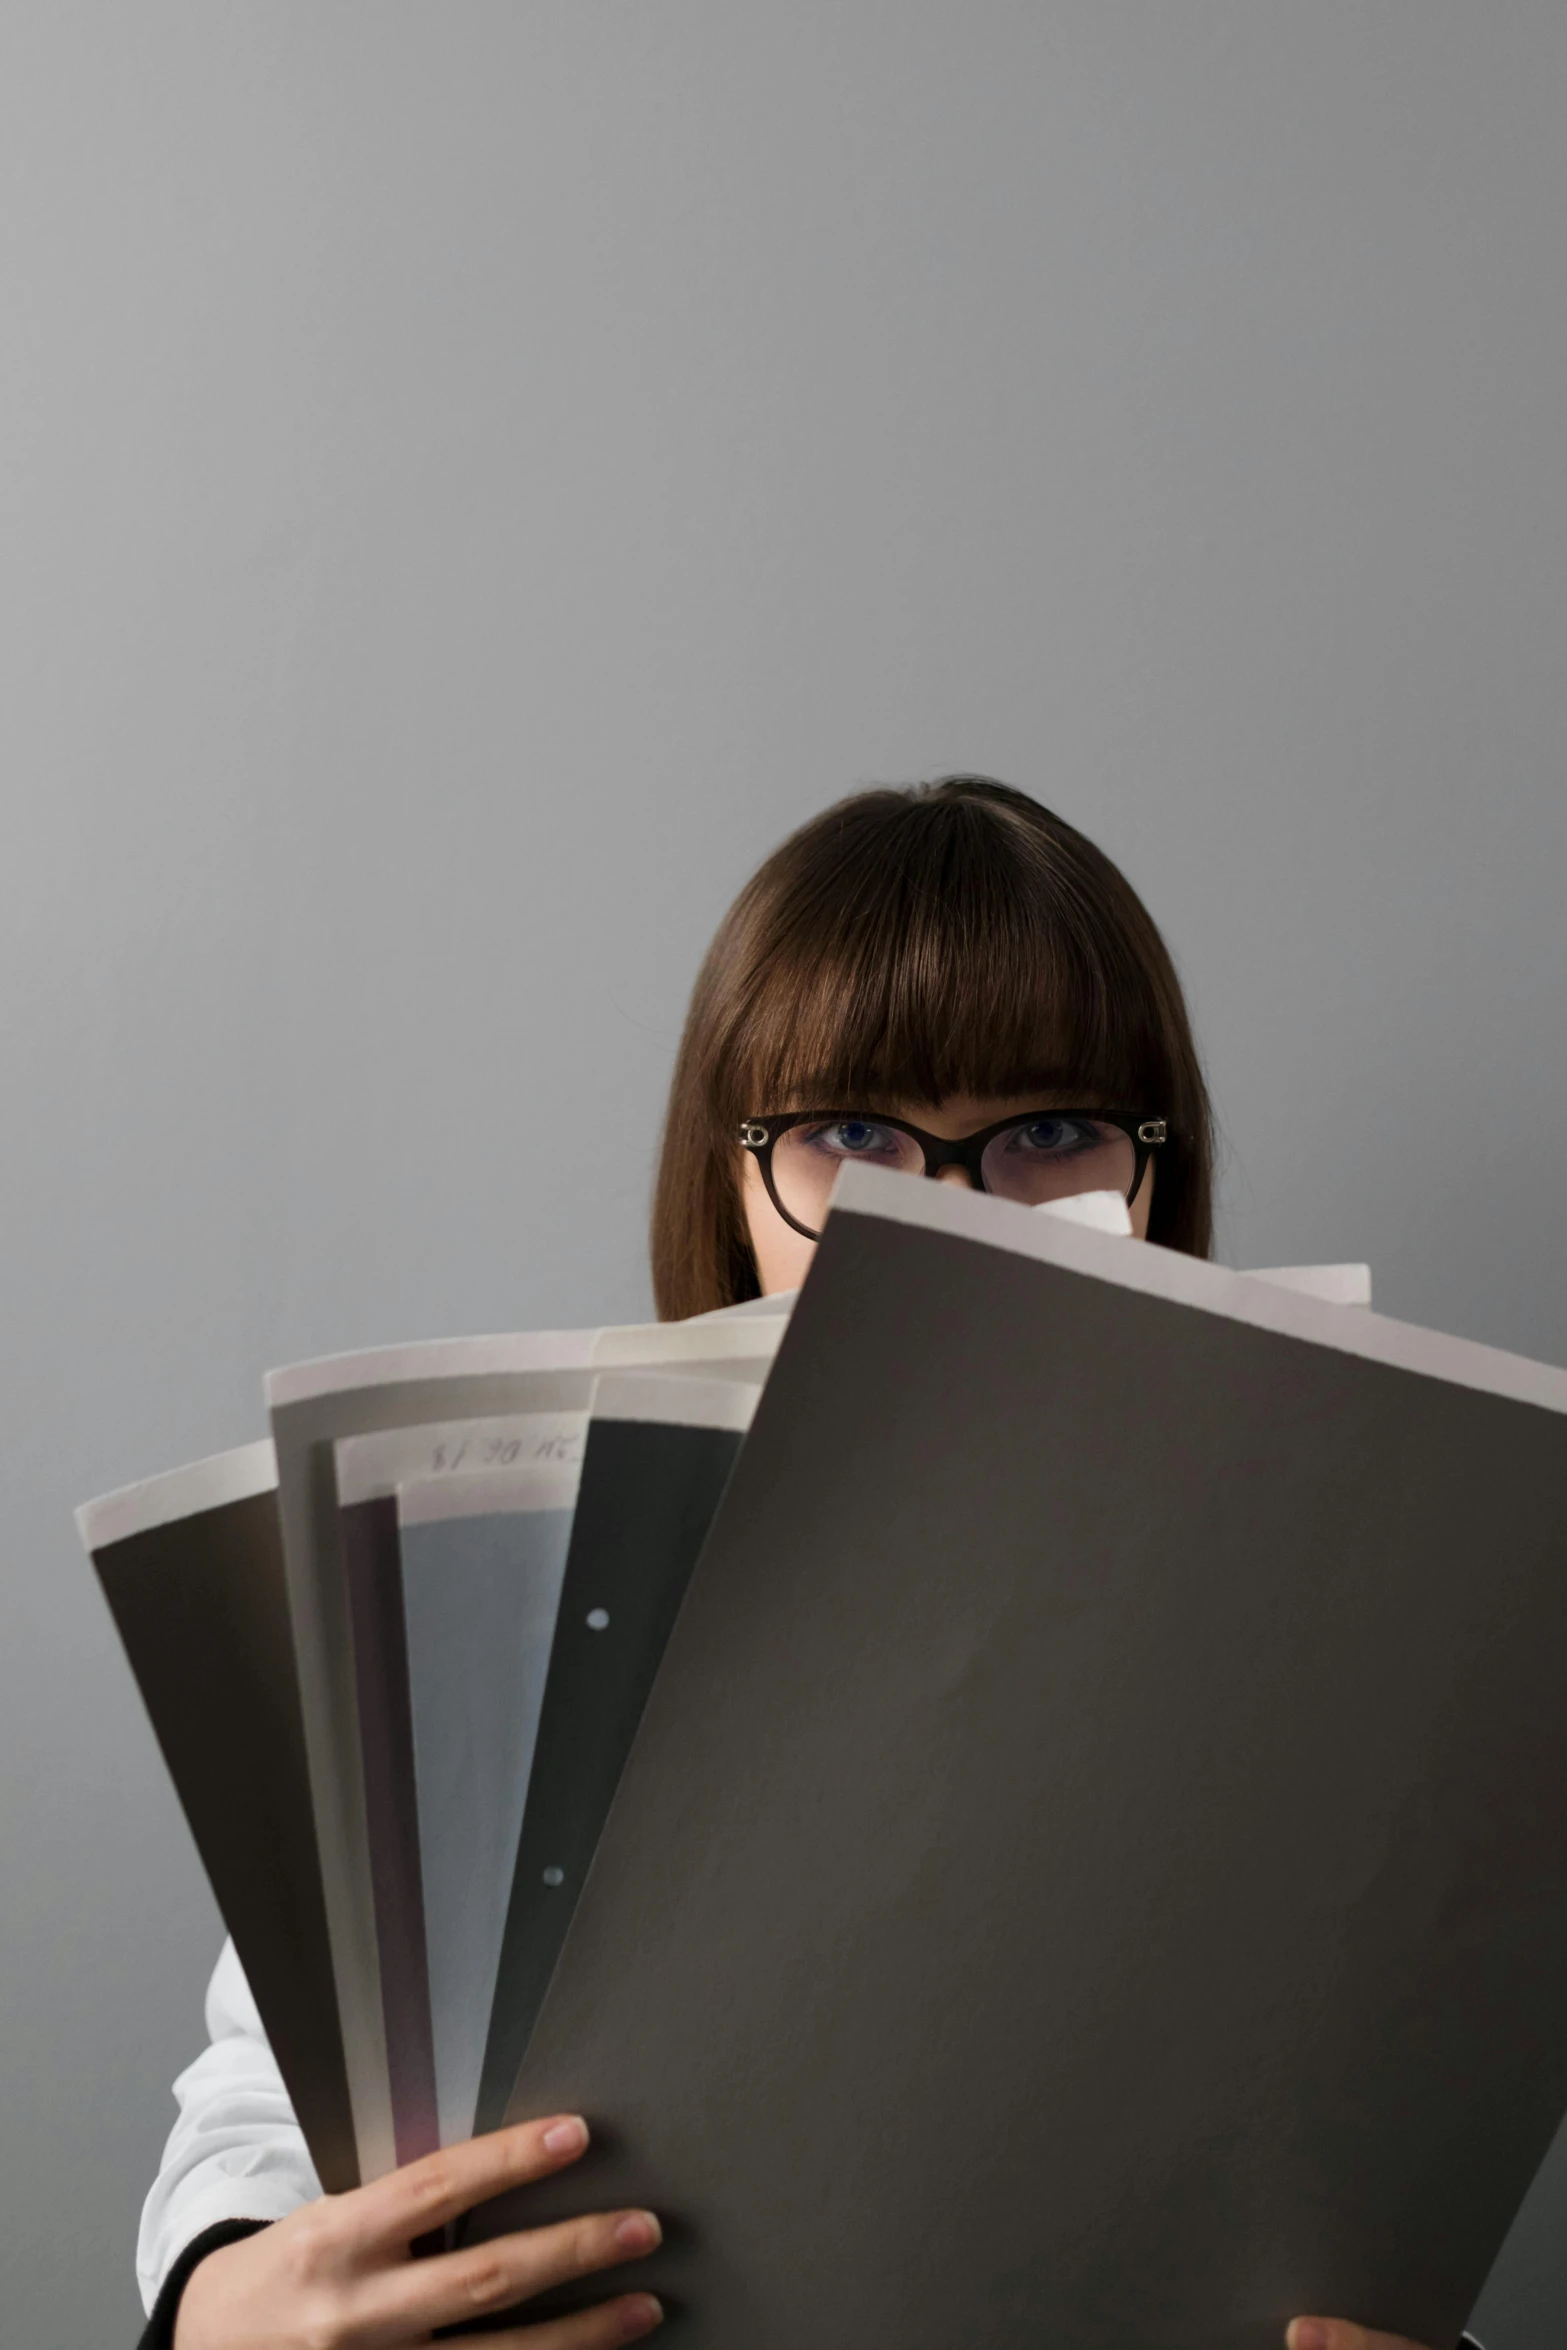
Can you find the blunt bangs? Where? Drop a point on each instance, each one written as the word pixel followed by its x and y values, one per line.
pixel 937 955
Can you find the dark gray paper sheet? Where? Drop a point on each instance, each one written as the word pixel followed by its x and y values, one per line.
pixel 379 1632
pixel 191 1565
pixel 1093 1865
pixel 658 1455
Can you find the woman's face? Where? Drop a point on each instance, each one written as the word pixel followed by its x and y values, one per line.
pixel 784 1255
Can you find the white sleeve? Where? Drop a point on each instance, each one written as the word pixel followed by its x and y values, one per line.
pixel 236 2151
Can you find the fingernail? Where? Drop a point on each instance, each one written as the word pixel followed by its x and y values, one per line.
pixel 639 2317
pixel 639 2231
pixel 1310 2333
pixel 567 2137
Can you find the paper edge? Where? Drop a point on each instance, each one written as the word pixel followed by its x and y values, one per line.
pixel 1339 1285
pixel 505 1352
pixel 675 1402
pixel 1195 1281
pixel 429 1358
pixel 210 1484
pixel 664 1346
pixel 780 1302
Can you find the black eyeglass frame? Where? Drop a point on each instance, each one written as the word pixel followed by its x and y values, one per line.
pixel 758 1135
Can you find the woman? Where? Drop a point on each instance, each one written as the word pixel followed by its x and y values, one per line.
pixel 942 966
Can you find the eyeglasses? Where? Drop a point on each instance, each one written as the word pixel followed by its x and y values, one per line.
pixel 1041 1155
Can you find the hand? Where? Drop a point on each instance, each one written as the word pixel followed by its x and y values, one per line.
pixel 1336 2333
pixel 338 2274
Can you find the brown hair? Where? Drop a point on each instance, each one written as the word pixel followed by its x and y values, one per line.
pixel 905 945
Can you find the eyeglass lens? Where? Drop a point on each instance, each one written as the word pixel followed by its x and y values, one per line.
pixel 1038 1159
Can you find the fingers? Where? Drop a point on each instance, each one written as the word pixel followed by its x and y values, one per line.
pixel 625 2320
pixel 426 2194
pixel 453 2288
pixel 1336 2333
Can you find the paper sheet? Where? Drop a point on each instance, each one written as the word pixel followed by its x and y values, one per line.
pixel 191 1564
pixel 482 1560
pixel 1096 1850
pixel 659 1453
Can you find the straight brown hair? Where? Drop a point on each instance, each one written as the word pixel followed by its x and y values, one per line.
pixel 908 944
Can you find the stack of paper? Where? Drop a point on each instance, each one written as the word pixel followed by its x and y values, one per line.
pixel 1060 1830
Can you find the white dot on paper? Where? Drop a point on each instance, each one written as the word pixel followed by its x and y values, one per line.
pixel 598 1619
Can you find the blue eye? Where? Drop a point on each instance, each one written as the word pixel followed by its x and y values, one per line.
pixel 853 1138
pixel 1053 1137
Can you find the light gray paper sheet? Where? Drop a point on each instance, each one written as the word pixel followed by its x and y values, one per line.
pixel 482 1561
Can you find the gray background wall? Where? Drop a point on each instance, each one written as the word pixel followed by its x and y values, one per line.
pixel 472 478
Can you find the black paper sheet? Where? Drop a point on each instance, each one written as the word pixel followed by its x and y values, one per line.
pixel 201 1607
pixel 1093 1865
pixel 658 1455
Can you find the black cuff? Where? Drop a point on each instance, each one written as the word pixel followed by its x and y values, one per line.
pixel 160 2326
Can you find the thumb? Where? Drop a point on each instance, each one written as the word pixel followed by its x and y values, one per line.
pixel 1336 2333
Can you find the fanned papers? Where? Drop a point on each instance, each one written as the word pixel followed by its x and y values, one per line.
pixel 217 1634
pixel 313 1407
pixel 1093 1863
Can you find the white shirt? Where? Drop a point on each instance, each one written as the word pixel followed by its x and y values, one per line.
pixel 236 2151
